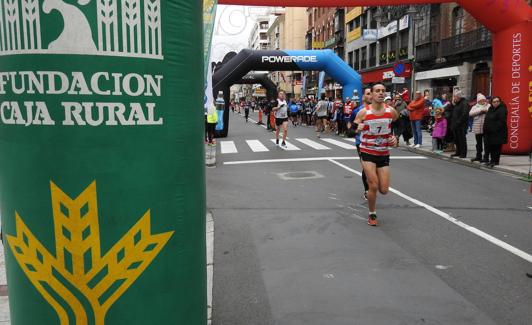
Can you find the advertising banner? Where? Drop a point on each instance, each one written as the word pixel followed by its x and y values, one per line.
pixel 102 195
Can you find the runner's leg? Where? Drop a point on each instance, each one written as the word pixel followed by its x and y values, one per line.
pixel 285 131
pixel 383 174
pixel 370 169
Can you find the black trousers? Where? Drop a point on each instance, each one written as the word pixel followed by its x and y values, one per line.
pixel 210 131
pixel 481 146
pixel 493 153
pixel 460 141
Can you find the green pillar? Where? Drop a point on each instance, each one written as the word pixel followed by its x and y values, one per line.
pixel 102 185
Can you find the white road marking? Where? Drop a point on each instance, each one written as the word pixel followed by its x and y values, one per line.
pixel 228 147
pixel 530 208
pixel 340 144
pixel 264 126
pixel 516 251
pixel 256 146
pixel 313 144
pixel 289 146
pixel 356 216
pixel 262 161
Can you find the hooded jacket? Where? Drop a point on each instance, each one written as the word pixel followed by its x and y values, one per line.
pixel 417 109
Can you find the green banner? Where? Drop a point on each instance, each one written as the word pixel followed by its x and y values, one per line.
pixel 102 192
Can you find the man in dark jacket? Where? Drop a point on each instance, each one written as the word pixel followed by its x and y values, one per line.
pixel 459 122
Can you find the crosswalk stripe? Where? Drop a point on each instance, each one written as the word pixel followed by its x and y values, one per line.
pixel 289 146
pixel 228 147
pixel 313 144
pixel 339 143
pixel 256 146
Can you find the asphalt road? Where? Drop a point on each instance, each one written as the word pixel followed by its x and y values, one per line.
pixel 451 248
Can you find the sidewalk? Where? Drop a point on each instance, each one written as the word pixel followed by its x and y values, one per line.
pixel 517 165
pixel 4 303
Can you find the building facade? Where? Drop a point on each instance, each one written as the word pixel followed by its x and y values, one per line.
pixel 287 32
pixel 452 50
pixel 379 52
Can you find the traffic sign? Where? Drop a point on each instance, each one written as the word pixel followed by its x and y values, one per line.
pixel 398 80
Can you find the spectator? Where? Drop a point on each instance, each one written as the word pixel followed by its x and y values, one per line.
pixel 405 95
pixel 459 121
pixel 417 111
pixel 447 114
pixel 495 131
pixel 438 131
pixel 401 126
pixel 212 119
pixel 478 113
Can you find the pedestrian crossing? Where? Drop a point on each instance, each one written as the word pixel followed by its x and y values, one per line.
pixel 297 144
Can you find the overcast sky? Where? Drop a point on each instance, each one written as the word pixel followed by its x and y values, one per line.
pixel 232 28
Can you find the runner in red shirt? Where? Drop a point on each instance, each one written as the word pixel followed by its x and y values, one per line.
pixel 375 125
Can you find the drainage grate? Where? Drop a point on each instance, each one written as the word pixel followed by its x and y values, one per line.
pixel 299 175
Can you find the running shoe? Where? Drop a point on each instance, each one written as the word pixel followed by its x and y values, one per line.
pixel 284 145
pixel 277 142
pixel 417 146
pixel 372 220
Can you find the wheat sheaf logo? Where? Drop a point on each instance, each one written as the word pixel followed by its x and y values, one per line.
pixel 78 282
pixel 130 28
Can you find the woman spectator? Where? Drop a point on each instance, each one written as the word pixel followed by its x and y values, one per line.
pixel 495 130
pixel 478 113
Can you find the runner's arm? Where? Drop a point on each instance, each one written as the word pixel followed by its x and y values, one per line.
pixel 395 115
pixel 359 120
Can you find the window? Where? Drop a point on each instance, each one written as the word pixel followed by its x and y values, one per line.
pixel 350 25
pixel 458 21
pixel 363 57
pixel 357 60
pixel 363 20
pixel 404 39
pixel 393 42
pixel 350 59
pixel 373 21
pixel 357 22
pixel 372 55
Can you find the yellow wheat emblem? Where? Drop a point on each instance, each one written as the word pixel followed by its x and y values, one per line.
pixel 79 283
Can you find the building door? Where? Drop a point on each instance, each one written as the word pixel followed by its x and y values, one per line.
pixel 481 83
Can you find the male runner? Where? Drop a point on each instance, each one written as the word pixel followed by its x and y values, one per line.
pixel 366 101
pixel 281 118
pixel 321 115
pixel 375 125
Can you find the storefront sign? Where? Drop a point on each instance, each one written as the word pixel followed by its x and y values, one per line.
pixel 318 45
pixel 391 28
pixel 386 74
pixel 354 34
pixel 370 34
pixel 330 42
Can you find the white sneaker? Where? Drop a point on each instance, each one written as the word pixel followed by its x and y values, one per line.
pixel 411 145
pixel 417 146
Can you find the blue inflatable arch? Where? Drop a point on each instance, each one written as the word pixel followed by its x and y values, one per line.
pixel 299 60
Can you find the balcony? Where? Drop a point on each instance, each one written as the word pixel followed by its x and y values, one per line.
pixel 427 52
pixel 466 42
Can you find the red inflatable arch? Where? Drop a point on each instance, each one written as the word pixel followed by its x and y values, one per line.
pixel 509 21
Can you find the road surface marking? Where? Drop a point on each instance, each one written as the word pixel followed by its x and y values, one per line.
pixel 313 144
pixel 256 146
pixel 289 146
pixel 246 162
pixel 516 251
pixel 530 208
pixel 340 144
pixel 228 147
pixel 264 126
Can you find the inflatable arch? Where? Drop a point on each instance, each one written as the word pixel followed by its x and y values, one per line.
pixel 510 23
pixel 261 79
pixel 246 60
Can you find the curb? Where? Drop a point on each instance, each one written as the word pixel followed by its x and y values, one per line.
pixel 463 162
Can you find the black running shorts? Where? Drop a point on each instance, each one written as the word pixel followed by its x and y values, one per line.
pixel 379 161
pixel 280 121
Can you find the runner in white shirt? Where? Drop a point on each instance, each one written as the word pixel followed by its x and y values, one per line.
pixel 281 118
